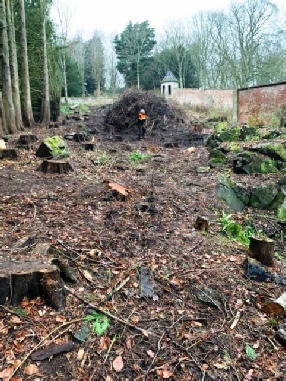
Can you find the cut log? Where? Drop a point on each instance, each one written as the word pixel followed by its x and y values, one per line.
pixel 31 279
pixel 262 249
pixel 276 307
pixel 202 224
pixel 56 166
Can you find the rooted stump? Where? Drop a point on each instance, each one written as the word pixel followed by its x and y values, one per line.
pixel 262 249
pixel 89 146
pixel 31 279
pixel 55 166
pixel 202 224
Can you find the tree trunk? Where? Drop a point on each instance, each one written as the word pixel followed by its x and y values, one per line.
pixel 28 117
pixel 45 115
pixel 14 65
pixel 55 166
pixel 3 128
pixel 8 104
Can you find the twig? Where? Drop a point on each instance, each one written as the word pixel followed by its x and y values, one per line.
pixel 236 319
pixel 42 342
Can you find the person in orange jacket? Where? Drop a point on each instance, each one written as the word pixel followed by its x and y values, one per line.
pixel 141 124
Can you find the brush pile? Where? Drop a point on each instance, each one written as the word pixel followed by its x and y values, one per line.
pixel 159 112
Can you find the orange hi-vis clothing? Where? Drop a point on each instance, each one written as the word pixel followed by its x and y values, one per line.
pixel 142 116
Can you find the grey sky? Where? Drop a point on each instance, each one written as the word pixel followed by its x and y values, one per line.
pixel 112 16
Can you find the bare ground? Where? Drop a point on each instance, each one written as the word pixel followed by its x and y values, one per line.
pixel 173 335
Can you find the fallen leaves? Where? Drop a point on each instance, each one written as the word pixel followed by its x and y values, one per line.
pixel 117 364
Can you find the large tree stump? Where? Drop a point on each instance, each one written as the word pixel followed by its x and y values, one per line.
pixel 31 279
pixel 56 166
pixel 262 249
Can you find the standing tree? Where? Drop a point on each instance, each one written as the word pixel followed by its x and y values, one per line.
pixel 94 54
pixel 27 115
pixel 14 64
pixel 45 113
pixel 8 104
pixel 133 48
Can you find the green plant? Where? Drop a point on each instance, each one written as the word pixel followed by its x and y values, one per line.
pixel 235 231
pixel 250 352
pixel 272 322
pixel 100 322
pixel 221 126
pixel 136 157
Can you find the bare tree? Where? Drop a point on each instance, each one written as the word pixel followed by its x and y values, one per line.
pixel 95 60
pixel 28 117
pixel 14 64
pixel 45 113
pixel 8 104
pixel 64 17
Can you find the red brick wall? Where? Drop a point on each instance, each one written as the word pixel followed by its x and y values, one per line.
pixel 222 99
pixel 260 103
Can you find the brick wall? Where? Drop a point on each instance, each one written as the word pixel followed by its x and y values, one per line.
pixel 260 103
pixel 212 99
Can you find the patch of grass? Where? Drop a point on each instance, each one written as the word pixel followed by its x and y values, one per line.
pixel 137 157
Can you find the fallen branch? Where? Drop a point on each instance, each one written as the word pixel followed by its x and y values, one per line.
pixel 42 342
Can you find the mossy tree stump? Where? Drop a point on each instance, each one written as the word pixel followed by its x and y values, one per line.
pixel 56 166
pixel 31 279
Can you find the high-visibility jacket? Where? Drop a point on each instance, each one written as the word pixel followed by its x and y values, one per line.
pixel 142 116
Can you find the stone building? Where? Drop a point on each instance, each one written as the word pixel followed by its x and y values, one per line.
pixel 168 84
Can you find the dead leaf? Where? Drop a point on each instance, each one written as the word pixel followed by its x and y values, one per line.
pixel 191 149
pixel 164 372
pixel 104 342
pixel 6 374
pixel 15 319
pixel 118 364
pixel 129 343
pixel 31 369
pixel 80 354
pixel 150 353
pixel 219 365
pixel 60 318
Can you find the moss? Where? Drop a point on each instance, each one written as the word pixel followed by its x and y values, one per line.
pixel 57 146
pixel 268 166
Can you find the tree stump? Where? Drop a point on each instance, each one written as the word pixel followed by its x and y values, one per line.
pixel 31 279
pixel 202 224
pixel 10 153
pixel 26 141
pixel 55 166
pixel 89 146
pixel 262 249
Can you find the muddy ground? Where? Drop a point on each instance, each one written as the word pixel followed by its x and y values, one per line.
pixel 202 315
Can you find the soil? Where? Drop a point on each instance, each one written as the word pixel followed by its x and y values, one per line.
pixel 201 319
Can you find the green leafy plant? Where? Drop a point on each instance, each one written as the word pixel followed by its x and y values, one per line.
pixel 250 352
pixel 235 231
pixel 100 322
pixel 136 157
pixel 222 126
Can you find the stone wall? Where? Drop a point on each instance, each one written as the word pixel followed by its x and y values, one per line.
pixel 211 99
pixel 261 104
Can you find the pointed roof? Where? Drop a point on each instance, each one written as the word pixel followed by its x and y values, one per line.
pixel 169 77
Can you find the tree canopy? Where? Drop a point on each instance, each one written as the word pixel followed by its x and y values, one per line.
pixel 134 48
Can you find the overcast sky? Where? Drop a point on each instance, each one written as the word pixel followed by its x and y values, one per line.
pixel 112 16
